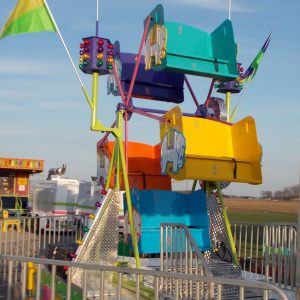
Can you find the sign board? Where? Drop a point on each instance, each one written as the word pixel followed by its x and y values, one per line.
pixel 22 164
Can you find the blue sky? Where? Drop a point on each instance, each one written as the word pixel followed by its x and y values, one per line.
pixel 44 114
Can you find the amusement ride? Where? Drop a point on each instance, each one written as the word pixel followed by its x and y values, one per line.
pixel 204 146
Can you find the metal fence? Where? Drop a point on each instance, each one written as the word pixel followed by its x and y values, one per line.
pixel 267 250
pixel 31 236
pixel 115 282
pixel 264 250
pixel 180 254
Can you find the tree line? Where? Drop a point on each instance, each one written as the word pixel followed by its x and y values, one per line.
pixel 287 193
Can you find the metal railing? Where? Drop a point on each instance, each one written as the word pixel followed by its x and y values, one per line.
pixel 31 236
pixel 267 250
pixel 179 251
pixel 180 254
pixel 115 282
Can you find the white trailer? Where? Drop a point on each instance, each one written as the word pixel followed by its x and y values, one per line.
pixel 64 197
pixel 68 197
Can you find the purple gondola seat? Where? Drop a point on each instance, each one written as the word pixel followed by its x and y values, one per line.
pixel 153 85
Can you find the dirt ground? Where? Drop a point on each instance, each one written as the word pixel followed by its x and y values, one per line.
pixel 260 205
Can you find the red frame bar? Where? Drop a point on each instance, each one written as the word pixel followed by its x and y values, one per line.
pixel 137 63
pixel 209 92
pixel 191 91
pixel 143 113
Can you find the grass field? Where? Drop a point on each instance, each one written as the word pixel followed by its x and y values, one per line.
pixel 261 211
pixel 261 218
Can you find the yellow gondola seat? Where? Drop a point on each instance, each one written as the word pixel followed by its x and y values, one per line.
pixel 213 150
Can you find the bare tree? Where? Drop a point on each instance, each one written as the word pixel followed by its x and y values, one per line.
pixel 266 194
pixel 287 193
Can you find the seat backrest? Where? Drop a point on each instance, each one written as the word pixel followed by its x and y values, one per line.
pixel 157 206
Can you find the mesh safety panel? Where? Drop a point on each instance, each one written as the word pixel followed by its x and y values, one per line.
pixel 100 243
pixel 219 235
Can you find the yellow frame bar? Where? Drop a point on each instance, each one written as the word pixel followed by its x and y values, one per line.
pixel 118 156
pixel 227 225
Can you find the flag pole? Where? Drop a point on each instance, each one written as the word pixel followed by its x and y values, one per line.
pixel 68 53
pixel 97 17
pixel 229 9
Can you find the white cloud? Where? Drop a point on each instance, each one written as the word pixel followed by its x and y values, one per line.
pixel 8 107
pixel 14 66
pixel 21 132
pixel 12 94
pixel 41 105
pixel 216 5
pixel 59 105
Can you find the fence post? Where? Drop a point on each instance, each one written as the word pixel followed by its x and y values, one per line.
pixel 10 285
pixel 298 252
